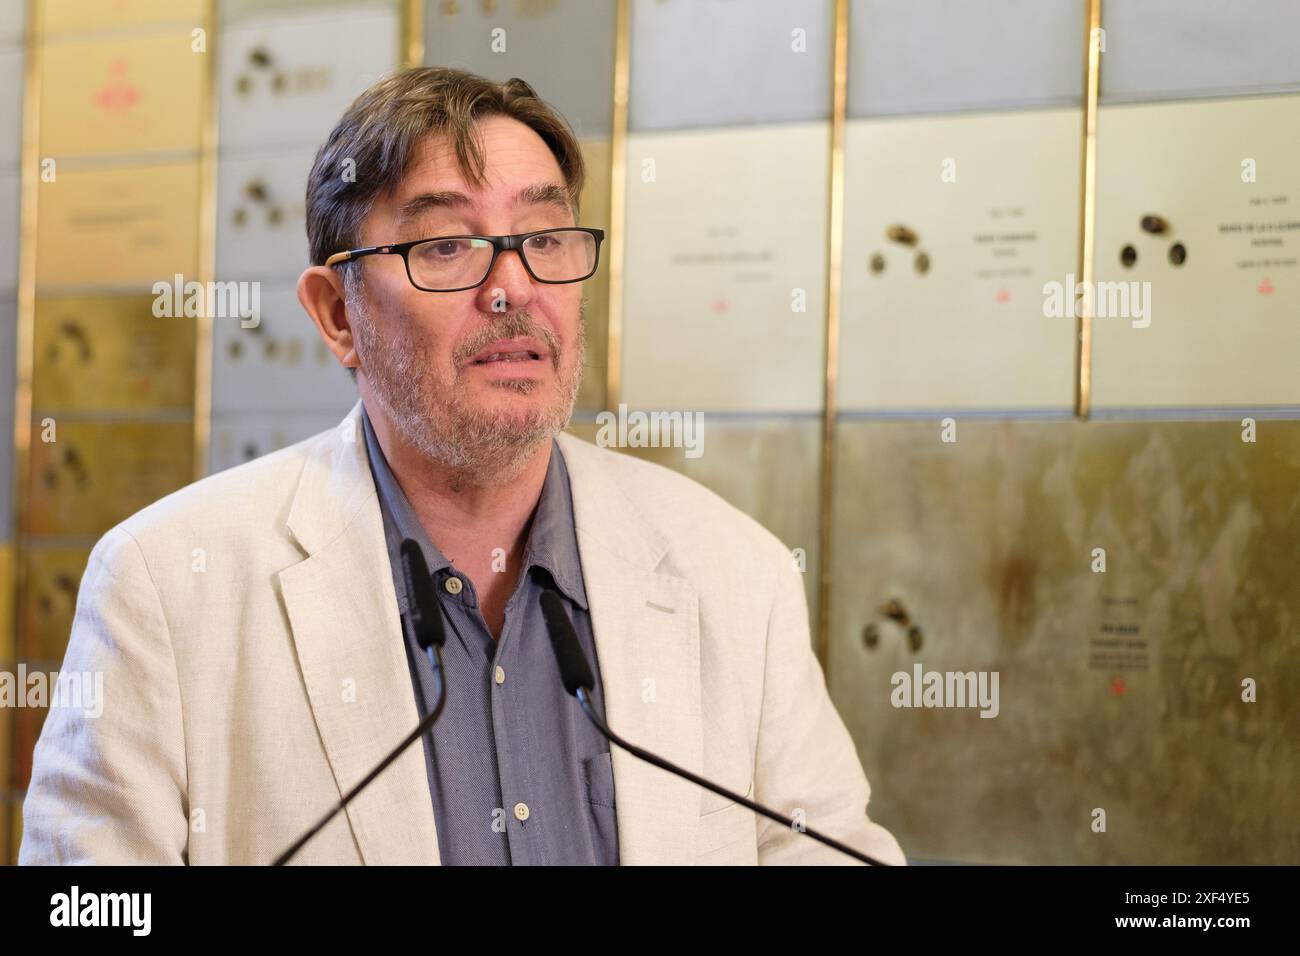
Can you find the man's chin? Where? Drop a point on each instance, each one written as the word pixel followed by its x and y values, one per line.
pixel 486 386
pixel 518 415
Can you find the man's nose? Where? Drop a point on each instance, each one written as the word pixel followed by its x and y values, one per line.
pixel 508 285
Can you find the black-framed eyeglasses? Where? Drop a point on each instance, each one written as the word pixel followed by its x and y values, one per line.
pixel 456 263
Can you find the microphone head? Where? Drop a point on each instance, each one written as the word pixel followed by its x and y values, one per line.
pixel 425 612
pixel 575 671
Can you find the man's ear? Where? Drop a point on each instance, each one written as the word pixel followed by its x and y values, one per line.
pixel 320 290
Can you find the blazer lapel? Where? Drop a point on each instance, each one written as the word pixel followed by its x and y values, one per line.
pixel 343 613
pixel 646 629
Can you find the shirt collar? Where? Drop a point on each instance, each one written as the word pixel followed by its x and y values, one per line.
pixel 552 541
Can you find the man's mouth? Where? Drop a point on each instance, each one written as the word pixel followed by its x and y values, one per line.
pixel 523 356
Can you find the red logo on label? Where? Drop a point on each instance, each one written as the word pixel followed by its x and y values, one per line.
pixel 118 93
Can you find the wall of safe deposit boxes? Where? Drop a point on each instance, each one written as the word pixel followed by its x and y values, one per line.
pixel 135 149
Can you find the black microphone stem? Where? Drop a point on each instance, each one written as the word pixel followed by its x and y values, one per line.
pixel 662 764
pixel 435 658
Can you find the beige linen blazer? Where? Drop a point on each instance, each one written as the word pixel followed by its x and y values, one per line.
pixel 254 670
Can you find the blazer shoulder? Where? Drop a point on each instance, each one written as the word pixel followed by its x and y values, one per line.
pixel 245 494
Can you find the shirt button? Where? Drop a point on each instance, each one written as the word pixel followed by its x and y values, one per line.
pixel 501 674
pixel 453 585
pixel 521 811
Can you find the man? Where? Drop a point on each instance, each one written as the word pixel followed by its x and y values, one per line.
pixel 249 627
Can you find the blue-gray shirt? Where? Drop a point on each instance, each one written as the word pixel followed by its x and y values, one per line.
pixel 517 773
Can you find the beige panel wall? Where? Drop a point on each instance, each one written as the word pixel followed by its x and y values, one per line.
pixel 1120 690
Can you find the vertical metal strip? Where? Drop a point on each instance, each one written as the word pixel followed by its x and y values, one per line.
pixel 1087 211
pixel 207 226
pixel 30 175
pixel 834 274
pixel 25 333
pixel 411 42
pixel 618 204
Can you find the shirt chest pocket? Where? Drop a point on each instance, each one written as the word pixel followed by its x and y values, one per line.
pixel 598 780
pixel 598 786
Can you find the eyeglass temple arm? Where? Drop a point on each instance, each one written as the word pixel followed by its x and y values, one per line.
pixel 351 254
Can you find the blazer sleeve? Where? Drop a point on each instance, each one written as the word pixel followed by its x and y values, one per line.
pixel 806 759
pixel 110 788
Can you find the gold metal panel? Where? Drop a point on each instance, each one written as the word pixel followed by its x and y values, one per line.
pixel 1119 690
pixel 61 15
pixel 110 353
pixel 119 227
pixel 127 94
pixel 96 474
pixel 49 602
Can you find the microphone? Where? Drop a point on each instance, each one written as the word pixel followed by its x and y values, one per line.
pixel 575 673
pixel 423 621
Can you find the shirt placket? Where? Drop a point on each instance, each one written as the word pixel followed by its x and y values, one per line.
pixel 518 808
pixel 498 654
pixel 470 630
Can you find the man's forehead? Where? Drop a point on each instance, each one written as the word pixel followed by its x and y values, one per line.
pixel 517 173
pixel 511 151
pixel 542 194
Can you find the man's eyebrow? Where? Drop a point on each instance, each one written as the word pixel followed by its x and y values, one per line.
pixel 538 194
pixel 545 194
pixel 417 206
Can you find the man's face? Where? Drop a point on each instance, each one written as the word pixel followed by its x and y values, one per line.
pixel 421 352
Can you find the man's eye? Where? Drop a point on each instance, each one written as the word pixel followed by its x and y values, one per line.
pixel 449 248
pixel 543 243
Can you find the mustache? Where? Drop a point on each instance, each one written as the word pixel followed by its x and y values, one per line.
pixel 516 325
